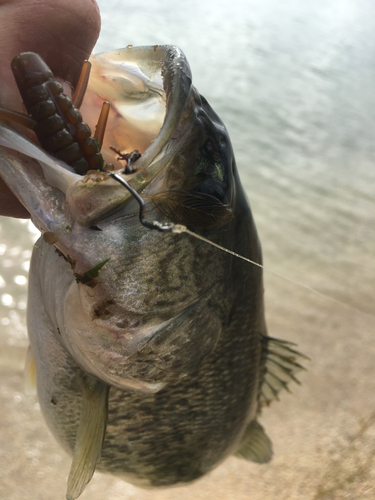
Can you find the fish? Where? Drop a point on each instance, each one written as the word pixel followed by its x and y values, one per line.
pixel 151 352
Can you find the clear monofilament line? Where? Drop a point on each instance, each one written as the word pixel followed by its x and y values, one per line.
pixel 179 228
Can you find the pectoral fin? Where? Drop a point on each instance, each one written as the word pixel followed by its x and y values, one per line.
pixel 90 436
pixel 256 445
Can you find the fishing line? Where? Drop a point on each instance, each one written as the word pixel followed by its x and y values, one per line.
pixel 170 227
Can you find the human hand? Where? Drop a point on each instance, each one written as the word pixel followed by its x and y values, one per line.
pixel 63 32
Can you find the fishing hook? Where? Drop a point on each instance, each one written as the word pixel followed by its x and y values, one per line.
pixel 168 227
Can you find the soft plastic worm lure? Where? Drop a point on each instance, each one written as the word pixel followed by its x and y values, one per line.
pixel 54 116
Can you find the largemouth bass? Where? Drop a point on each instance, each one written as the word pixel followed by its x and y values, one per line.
pixel 151 350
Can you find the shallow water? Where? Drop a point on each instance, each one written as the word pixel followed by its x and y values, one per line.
pixel 294 83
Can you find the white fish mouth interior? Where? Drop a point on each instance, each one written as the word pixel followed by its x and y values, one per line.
pixel 137 98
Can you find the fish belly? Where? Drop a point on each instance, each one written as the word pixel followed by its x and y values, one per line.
pixel 173 436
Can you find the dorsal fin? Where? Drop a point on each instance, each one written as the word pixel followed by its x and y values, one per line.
pixel 280 367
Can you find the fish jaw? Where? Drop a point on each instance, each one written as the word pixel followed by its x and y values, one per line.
pixel 148 88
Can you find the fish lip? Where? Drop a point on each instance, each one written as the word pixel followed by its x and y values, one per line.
pixel 177 81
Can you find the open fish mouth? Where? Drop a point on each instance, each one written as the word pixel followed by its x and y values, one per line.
pixel 148 89
pixel 178 146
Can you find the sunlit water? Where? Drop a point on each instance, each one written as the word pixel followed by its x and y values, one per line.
pixel 294 83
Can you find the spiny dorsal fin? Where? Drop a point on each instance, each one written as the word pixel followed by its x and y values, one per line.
pixel 90 436
pixel 256 445
pixel 280 368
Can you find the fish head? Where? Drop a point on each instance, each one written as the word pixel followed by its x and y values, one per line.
pixel 134 307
